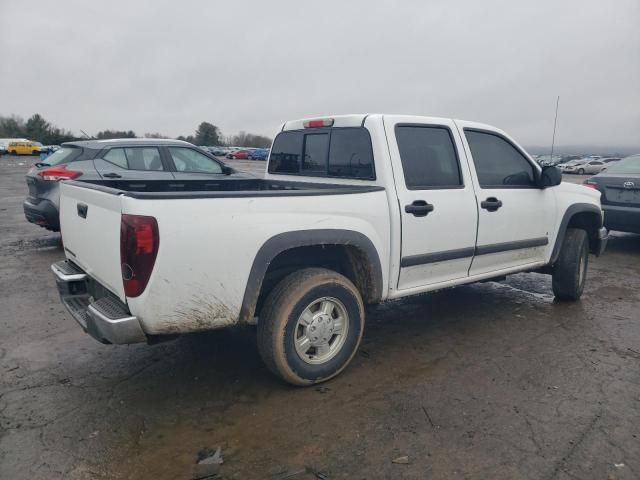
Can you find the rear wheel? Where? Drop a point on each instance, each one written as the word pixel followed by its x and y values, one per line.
pixel 310 326
pixel 570 270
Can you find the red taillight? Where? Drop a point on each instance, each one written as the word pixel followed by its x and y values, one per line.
pixel 590 184
pixel 325 122
pixel 57 173
pixel 139 242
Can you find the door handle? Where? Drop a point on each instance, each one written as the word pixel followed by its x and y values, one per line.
pixel 491 204
pixel 419 208
pixel 111 175
pixel 82 209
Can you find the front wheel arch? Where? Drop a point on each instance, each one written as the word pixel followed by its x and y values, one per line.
pixel 580 215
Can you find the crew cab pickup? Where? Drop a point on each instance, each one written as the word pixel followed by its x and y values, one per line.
pixel 352 210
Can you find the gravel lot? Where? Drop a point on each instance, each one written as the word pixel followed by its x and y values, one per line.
pixel 488 381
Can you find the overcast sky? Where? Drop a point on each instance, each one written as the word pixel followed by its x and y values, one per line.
pixel 165 66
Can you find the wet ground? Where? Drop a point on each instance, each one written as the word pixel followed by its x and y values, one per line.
pixel 489 381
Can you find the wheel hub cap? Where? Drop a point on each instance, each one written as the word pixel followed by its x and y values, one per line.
pixel 321 330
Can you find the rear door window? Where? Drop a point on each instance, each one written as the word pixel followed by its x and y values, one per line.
pixel 428 157
pixel 342 152
pixel 135 158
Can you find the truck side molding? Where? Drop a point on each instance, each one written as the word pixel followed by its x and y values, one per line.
pixel 306 238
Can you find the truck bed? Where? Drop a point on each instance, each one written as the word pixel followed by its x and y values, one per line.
pixel 210 234
pixel 224 188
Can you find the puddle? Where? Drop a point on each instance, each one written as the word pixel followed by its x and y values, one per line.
pixel 544 297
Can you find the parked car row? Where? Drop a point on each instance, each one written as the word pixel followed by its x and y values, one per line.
pixel 249 154
pixel 561 161
pixel 240 153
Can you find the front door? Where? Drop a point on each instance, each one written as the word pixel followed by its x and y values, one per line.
pixel 516 217
pixel 436 201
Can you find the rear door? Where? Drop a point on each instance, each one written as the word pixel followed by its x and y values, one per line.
pixel 137 163
pixel 90 226
pixel 516 217
pixel 436 201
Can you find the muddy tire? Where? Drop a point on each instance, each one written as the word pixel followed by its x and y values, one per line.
pixel 310 326
pixel 570 270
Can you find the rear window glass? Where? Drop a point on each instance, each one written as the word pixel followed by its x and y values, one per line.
pixel 342 152
pixel 63 155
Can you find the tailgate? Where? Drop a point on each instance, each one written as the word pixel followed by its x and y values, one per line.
pixel 90 225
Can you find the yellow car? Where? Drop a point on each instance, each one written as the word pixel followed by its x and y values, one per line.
pixel 25 147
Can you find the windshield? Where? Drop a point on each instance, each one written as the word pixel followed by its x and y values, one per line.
pixel 626 166
pixel 63 155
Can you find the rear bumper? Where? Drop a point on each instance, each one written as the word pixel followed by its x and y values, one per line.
pixel 42 212
pixel 106 319
pixel 623 219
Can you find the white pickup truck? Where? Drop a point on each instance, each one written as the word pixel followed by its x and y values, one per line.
pixel 352 210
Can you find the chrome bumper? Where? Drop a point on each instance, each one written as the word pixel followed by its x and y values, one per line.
pixel 106 319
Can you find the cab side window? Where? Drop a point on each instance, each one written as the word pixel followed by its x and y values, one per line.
pixel 498 163
pixel 428 157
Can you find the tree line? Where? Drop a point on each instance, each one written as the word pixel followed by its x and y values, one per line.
pixel 40 130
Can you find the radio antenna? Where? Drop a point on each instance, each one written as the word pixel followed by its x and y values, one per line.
pixel 555 122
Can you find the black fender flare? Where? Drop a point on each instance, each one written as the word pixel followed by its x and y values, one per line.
pixel 568 215
pixel 305 238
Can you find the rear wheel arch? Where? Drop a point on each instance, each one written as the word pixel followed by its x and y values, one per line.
pixel 348 252
pixel 585 216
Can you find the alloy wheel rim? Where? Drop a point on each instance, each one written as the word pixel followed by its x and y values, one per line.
pixel 321 330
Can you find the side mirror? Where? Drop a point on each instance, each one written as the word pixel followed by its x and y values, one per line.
pixel 550 177
pixel 227 170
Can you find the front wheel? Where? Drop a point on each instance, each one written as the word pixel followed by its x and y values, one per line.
pixel 570 270
pixel 310 326
pixel 581 171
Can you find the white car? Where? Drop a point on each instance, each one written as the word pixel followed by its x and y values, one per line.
pixel 594 167
pixel 353 210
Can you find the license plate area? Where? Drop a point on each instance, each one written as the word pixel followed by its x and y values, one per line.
pixel 622 195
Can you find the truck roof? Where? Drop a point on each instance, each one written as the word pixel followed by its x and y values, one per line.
pixel 358 119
